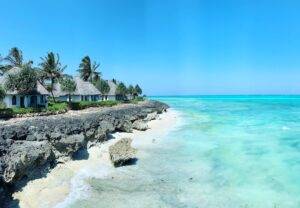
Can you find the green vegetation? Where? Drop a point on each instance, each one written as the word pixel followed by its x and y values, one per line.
pixel 136 100
pixel 57 107
pixel 88 71
pixel 2 93
pixel 103 87
pixel 68 85
pixel 14 58
pixel 51 69
pixel 52 108
pixel 138 90
pixel 131 90
pixel 23 81
pixel 87 104
pixel 121 90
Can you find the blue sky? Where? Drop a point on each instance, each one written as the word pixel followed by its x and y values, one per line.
pixel 169 47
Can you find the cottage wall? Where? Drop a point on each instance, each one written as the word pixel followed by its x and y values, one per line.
pixel 41 100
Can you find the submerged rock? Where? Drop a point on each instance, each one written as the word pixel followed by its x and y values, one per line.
pixel 121 152
pixel 140 125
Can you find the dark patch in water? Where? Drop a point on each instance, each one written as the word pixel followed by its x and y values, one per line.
pixel 81 154
pixel 129 162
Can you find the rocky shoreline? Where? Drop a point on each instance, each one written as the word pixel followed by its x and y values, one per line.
pixel 31 147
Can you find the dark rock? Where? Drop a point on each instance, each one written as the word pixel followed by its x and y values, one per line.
pixel 67 145
pixel 24 157
pixel 122 152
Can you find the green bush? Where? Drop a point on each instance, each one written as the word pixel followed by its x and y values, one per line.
pixel 2 105
pixel 26 110
pixel 57 107
pixel 137 100
pixel 87 104
pixel 6 113
pixel 108 103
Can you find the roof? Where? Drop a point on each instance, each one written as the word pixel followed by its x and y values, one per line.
pixel 82 88
pixel 40 89
pixel 112 86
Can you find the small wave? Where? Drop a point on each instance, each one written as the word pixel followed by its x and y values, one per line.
pixel 80 189
pixel 179 118
pixel 285 128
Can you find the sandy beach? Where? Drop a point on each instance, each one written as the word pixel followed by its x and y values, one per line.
pixel 66 182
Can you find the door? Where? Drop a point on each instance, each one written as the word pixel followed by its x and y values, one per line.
pixel 33 101
pixel 22 103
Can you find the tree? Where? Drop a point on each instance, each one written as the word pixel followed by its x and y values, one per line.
pixel 131 90
pixel 2 93
pixel 14 58
pixel 2 67
pixel 103 87
pixel 68 85
pixel 121 90
pixel 51 69
pixel 138 90
pixel 23 81
pixel 88 71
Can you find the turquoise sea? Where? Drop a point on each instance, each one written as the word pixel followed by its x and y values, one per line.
pixel 228 152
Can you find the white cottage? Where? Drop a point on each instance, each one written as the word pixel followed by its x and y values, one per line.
pixel 36 98
pixel 85 91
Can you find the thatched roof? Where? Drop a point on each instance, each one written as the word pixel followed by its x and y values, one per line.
pixel 113 87
pixel 82 88
pixel 40 89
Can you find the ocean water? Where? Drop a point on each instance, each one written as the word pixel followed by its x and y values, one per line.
pixel 227 152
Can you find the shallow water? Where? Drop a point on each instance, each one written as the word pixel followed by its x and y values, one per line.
pixel 229 151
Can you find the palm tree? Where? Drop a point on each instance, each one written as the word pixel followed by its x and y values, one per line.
pixel 121 90
pixel 138 90
pixel 103 87
pixel 51 69
pixel 88 71
pixel 2 67
pixel 131 90
pixel 14 58
pixel 68 85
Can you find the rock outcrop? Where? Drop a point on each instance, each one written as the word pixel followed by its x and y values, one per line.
pixel 151 116
pixel 140 125
pixel 30 146
pixel 121 152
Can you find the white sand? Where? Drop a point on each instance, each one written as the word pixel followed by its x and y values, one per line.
pixel 57 188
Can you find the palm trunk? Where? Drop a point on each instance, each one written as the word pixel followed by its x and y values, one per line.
pixel 52 88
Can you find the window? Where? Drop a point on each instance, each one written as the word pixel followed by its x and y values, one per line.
pixel 14 100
